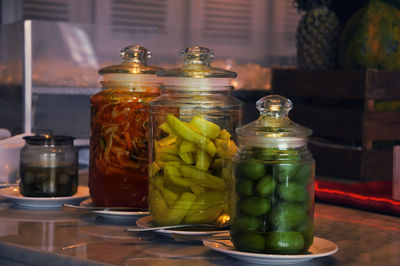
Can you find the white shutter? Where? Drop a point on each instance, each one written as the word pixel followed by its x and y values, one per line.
pixel 154 24
pixel 248 30
pixel 232 28
pixel 227 21
pixel 56 10
pixel 128 15
pixel 285 19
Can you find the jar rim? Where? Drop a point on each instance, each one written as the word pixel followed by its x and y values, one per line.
pixel 279 142
pixel 49 140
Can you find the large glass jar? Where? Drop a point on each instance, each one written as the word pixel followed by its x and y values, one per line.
pixel 192 142
pixel 119 131
pixel 48 167
pixel 273 191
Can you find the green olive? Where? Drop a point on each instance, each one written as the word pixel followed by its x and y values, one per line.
pixel 244 187
pixel 250 242
pixel 41 176
pixel 264 224
pixel 265 186
pixel 292 192
pixel 308 238
pixel 63 178
pixel 245 223
pixel 286 216
pixel 305 225
pixel 47 187
pixel 27 177
pixel 265 154
pixel 309 203
pixel 285 242
pixel 303 174
pixel 254 206
pixel 251 170
pixel 284 172
pixel 288 155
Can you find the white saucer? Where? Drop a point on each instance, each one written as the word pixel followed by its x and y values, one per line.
pixel 117 216
pixel 147 222
pixel 320 248
pixel 8 185
pixel 121 217
pixel 12 193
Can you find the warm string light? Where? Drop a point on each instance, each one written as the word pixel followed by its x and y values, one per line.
pixel 354 195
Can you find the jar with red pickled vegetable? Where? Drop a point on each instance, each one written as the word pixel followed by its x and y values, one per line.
pixel 118 173
pixel 192 142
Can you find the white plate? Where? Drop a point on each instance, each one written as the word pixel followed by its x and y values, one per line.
pixel 8 185
pixel 320 248
pixel 113 216
pixel 121 216
pixel 12 193
pixel 147 222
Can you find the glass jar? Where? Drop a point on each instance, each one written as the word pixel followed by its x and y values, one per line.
pixel 48 167
pixel 192 142
pixel 119 131
pixel 273 191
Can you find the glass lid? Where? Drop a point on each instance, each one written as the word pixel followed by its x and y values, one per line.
pixel 49 140
pixel 134 61
pixel 273 126
pixel 197 64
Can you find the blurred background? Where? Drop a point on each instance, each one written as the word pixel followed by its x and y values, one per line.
pixel 58 46
pixel 346 91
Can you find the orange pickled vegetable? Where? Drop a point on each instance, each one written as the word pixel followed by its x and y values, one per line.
pixel 119 147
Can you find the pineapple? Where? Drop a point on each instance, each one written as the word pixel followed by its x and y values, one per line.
pixel 317 35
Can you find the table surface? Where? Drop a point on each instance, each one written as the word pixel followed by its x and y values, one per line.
pixel 79 237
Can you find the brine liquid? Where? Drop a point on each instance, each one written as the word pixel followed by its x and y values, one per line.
pixel 59 181
pixel 273 202
pixel 190 182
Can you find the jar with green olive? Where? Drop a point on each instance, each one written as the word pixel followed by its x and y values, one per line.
pixel 273 190
pixel 48 167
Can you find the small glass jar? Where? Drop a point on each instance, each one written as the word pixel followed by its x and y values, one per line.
pixel 192 142
pixel 48 167
pixel 119 131
pixel 273 191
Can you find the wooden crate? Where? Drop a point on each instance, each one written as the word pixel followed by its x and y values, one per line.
pixel 341 108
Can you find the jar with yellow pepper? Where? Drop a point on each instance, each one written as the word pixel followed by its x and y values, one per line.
pixel 192 142
pixel 118 173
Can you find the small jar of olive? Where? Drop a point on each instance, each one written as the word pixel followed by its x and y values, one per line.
pixel 273 191
pixel 48 167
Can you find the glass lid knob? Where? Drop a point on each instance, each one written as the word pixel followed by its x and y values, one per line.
pixel 135 53
pixel 197 55
pixel 274 105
